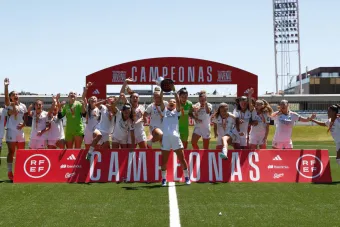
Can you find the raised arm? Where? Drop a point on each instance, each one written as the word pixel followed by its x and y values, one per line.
pixel 178 102
pixel 162 101
pixel 125 84
pixel 7 100
pixel 29 110
pixel 250 95
pixel 83 97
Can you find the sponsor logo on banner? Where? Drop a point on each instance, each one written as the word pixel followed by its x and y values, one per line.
pixel 65 166
pixel 96 92
pixel 277 167
pixel 224 76
pixel 309 166
pixel 277 158
pixel 71 157
pixel 118 76
pixel 278 175
pixel 37 166
pixel 69 175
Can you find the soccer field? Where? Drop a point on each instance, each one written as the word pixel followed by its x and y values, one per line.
pixel 134 204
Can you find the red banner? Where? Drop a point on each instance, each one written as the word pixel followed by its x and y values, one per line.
pixel 144 166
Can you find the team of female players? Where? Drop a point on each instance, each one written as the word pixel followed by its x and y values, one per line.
pixel 246 127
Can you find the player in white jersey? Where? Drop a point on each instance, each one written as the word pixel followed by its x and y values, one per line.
pixel 3 115
pixel 224 122
pixel 92 115
pixel 105 126
pixel 39 125
pixel 242 113
pixel 284 120
pixel 138 116
pixel 260 125
pixel 333 124
pixel 201 113
pixel 156 116
pixel 16 121
pixel 124 128
pixel 55 135
pixel 171 136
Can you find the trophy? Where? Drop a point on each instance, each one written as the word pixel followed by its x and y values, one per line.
pixel 164 83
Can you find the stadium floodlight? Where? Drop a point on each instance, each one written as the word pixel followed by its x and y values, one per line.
pixel 286 42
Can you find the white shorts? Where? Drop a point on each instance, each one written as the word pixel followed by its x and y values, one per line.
pixel 115 140
pixel 54 142
pixel 171 142
pixel 283 145
pixel 204 132
pixel 138 138
pixel 14 135
pixel 37 144
pixel 256 139
pixel 88 137
pixel 105 136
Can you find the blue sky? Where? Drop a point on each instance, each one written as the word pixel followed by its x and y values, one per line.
pixel 50 46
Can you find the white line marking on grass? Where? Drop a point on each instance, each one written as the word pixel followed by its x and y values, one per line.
pixel 173 206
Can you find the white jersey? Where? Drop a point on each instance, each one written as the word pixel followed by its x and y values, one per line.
pixel 139 127
pixel 122 127
pixel 263 119
pixel 14 120
pixel 246 116
pixel 107 119
pixel 202 115
pixel 334 129
pixel 56 131
pixel 155 117
pixel 284 126
pixel 92 119
pixel 224 125
pixel 170 122
pixel 3 115
pixel 38 124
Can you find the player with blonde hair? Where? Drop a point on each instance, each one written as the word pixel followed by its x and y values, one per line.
pixel 224 122
pixel 201 113
pixel 284 120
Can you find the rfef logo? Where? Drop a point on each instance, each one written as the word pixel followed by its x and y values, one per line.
pixel 37 166
pixel 309 166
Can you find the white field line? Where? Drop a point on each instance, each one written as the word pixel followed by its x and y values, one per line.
pixel 173 206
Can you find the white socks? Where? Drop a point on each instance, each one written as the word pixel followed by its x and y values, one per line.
pixel 163 174
pixel 225 151
pixel 9 167
pixel 186 172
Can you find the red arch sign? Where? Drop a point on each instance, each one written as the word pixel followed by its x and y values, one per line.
pixel 184 71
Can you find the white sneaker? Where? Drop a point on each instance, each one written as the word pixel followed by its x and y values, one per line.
pixel 224 154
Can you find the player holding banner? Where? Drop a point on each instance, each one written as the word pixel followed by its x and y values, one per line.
pixel 171 136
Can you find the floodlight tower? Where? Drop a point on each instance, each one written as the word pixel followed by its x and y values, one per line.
pixel 286 43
